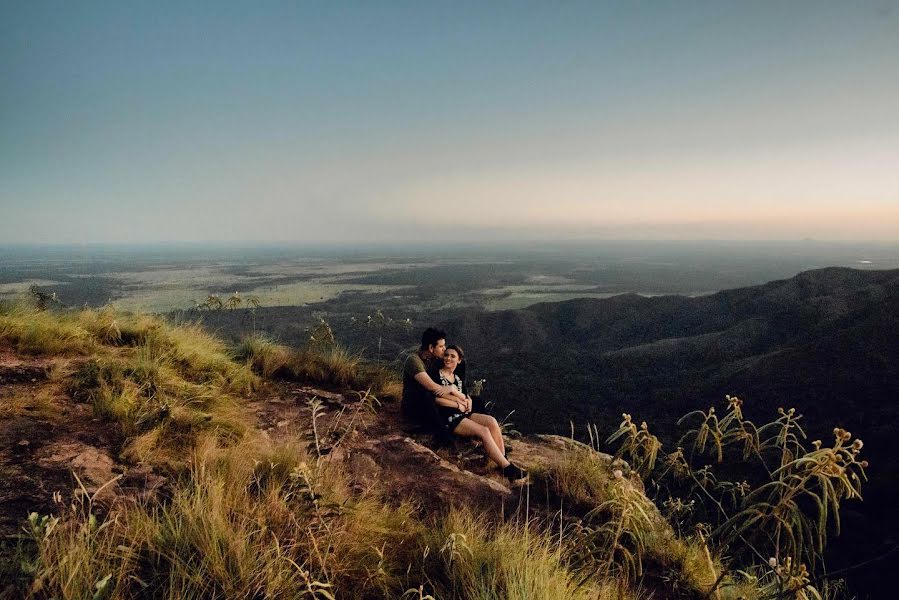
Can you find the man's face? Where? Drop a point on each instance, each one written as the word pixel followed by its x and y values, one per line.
pixel 437 349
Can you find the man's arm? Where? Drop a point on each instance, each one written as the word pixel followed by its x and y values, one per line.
pixel 425 381
pixel 445 395
pixel 450 402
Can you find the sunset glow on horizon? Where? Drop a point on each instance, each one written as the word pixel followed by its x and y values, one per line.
pixel 365 122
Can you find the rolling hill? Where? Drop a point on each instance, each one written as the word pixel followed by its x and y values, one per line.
pixel 825 342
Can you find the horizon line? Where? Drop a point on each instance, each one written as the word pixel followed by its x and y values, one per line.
pixel 442 241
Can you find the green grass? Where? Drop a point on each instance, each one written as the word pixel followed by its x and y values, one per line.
pixel 168 387
pixel 243 517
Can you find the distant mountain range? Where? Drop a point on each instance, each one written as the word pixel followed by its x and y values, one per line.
pixel 817 341
pixel 824 341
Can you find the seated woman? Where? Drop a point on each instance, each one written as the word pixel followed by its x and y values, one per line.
pixel 456 416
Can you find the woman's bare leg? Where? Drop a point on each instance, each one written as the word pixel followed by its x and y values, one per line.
pixel 469 428
pixel 495 430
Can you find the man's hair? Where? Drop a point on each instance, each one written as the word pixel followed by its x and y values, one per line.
pixel 431 336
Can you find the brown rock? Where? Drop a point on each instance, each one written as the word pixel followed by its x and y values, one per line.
pixel 325 396
pixel 363 470
pixel 92 465
pixel 410 470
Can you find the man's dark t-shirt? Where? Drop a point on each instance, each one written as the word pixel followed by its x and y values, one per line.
pixel 417 401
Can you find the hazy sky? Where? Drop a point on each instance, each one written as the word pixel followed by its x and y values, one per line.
pixel 368 121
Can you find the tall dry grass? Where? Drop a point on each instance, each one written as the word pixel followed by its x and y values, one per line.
pixel 245 518
pixel 167 386
pixel 31 331
pixel 262 521
pixel 328 364
pixel 462 556
pixel 248 521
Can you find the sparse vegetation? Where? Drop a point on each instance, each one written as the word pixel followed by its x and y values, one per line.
pixel 166 386
pixel 775 521
pixel 245 517
pixel 613 529
pixel 246 521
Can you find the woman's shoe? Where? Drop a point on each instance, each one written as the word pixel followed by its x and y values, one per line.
pixel 514 473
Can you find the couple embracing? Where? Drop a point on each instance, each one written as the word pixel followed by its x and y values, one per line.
pixel 434 395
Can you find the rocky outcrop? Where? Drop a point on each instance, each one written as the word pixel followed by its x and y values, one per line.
pixel 381 452
pixel 53 447
pixel 407 469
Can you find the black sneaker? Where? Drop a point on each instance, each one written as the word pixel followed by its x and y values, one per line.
pixel 514 473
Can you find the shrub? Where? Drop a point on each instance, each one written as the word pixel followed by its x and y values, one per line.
pixel 782 509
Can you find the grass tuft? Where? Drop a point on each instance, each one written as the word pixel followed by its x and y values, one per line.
pixel 326 364
pixel 31 331
pixel 265 356
pixel 580 477
pixel 465 557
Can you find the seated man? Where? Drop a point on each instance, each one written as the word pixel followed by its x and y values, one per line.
pixel 419 389
pixel 429 403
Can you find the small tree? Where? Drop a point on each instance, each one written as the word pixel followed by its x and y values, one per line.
pixel 234 301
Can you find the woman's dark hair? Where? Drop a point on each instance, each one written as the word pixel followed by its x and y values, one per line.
pixel 431 336
pixel 458 350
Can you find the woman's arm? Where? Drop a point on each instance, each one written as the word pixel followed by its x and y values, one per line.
pixel 460 397
pixel 451 402
pixel 444 395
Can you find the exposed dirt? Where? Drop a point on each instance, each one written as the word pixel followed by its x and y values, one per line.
pixel 380 450
pixel 53 445
pixel 46 440
pixel 16 370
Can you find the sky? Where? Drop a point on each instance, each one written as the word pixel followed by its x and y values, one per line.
pixel 359 122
